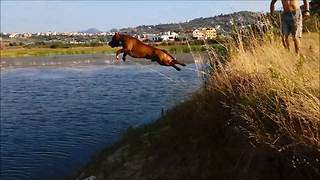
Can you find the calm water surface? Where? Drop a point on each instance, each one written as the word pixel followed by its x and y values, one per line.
pixel 54 119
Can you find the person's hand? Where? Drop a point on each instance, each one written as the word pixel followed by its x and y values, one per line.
pixel 306 14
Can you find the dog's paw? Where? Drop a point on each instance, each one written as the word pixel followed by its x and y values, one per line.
pixel 117 57
pixel 178 69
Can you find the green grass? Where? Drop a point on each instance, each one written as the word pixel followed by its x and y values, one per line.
pixel 24 52
pixel 183 48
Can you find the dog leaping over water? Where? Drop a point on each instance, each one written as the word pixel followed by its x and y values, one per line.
pixel 135 48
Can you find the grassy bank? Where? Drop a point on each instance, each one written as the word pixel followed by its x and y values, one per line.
pixel 257 118
pixel 24 52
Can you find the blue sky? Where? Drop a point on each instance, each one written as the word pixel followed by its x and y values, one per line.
pixel 41 16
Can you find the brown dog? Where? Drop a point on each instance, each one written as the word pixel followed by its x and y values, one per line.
pixel 133 47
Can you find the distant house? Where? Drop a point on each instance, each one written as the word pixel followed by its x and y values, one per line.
pixel 149 37
pixel 210 33
pixel 13 35
pixel 205 33
pixel 198 34
pixel 169 36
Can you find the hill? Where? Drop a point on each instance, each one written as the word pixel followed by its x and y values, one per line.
pixel 223 23
pixel 91 31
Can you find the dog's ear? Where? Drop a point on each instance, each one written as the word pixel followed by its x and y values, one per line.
pixel 117 35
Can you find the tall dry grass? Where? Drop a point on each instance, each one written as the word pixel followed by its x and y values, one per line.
pixel 273 93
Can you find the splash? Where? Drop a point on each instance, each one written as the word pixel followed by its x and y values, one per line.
pixel 199 61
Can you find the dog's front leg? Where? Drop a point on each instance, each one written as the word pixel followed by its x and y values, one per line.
pixel 118 52
pixel 124 56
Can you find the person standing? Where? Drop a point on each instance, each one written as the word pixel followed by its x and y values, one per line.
pixel 291 21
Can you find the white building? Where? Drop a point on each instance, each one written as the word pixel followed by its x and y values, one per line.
pixel 13 35
pixel 169 36
pixel 198 34
pixel 149 37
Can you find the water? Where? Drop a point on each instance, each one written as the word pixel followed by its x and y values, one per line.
pixel 54 119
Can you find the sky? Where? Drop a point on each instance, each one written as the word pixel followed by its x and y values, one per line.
pixel 66 16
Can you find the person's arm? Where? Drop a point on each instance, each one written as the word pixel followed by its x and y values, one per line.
pixel 273 2
pixel 306 10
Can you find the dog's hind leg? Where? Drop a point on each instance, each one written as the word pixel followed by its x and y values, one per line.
pixel 176 67
pixel 177 62
pixel 168 54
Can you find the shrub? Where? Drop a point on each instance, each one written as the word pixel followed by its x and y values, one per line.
pixel 173 50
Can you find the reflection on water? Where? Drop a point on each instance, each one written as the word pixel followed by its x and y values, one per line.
pixel 54 119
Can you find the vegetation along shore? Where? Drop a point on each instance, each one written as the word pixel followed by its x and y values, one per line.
pixel 25 52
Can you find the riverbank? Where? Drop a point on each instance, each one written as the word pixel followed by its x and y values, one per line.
pixel 36 52
pixel 257 118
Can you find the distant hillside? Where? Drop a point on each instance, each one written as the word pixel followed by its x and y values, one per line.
pixel 91 31
pixel 222 22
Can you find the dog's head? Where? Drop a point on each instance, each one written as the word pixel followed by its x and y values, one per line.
pixel 115 41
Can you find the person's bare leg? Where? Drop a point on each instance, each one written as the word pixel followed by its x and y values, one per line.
pixel 283 42
pixel 286 41
pixel 297 44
